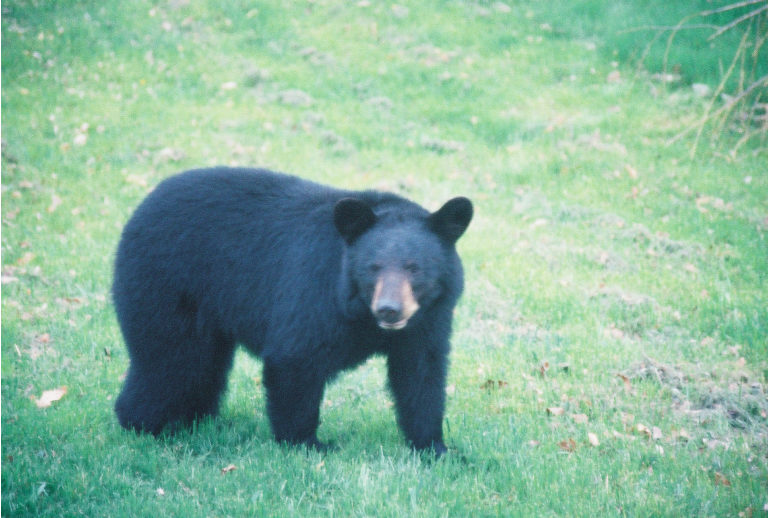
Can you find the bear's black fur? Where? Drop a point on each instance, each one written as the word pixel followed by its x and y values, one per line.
pixel 311 279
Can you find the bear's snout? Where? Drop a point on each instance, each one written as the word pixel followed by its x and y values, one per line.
pixel 393 302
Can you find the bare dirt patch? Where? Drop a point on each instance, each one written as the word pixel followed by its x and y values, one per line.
pixel 728 391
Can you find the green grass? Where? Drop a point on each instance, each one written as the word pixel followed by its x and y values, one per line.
pixel 608 274
pixel 660 36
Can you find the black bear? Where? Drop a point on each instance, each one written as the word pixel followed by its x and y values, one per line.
pixel 311 279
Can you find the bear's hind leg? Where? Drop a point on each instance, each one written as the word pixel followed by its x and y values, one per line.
pixel 183 382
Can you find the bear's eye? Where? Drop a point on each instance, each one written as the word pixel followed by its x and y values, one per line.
pixel 374 268
pixel 412 267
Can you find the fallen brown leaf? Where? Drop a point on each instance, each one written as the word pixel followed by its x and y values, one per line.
pixel 55 202
pixel 25 259
pixel 49 396
pixel 580 418
pixel 627 382
pixel 721 480
pixel 555 410
pixel 690 268
pixel 227 469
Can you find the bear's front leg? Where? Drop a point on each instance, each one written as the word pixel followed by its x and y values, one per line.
pixel 294 392
pixel 417 379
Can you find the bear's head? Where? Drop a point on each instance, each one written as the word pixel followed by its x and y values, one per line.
pixel 400 258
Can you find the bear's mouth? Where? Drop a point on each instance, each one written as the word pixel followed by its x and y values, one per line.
pixel 393 326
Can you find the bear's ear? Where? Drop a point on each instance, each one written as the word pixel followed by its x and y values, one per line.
pixel 352 217
pixel 452 219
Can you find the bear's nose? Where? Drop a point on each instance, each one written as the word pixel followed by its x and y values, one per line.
pixel 388 313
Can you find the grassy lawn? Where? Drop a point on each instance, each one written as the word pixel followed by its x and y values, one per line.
pixel 610 354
